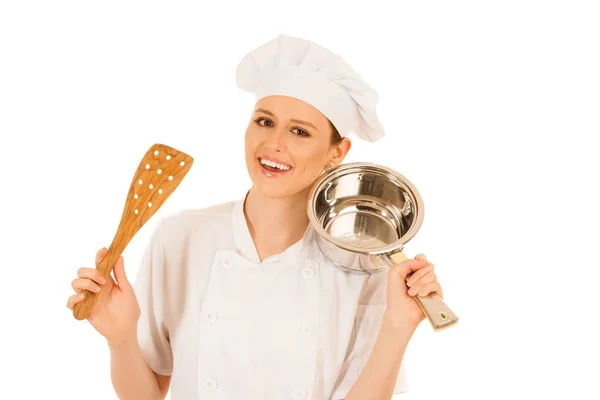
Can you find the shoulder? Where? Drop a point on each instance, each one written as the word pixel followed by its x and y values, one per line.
pixel 189 220
pixel 196 230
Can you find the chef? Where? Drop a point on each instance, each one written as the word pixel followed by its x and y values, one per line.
pixel 236 301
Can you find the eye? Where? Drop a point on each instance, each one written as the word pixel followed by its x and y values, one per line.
pixel 262 121
pixel 301 132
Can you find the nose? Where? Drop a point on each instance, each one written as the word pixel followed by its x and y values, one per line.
pixel 276 140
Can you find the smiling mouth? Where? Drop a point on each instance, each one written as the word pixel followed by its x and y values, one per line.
pixel 274 167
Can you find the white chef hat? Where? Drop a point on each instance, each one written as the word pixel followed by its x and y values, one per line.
pixel 298 68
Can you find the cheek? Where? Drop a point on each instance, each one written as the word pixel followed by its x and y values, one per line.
pixel 312 160
pixel 249 149
pixel 253 136
pixel 250 142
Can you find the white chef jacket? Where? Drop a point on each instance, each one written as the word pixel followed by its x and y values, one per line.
pixel 227 326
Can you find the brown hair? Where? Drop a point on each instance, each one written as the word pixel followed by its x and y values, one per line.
pixel 335 135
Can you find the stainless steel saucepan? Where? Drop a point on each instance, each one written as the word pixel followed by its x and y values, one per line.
pixel 364 214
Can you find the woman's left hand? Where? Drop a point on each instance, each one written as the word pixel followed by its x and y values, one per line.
pixel 402 309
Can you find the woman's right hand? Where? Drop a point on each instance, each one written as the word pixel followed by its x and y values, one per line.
pixel 116 312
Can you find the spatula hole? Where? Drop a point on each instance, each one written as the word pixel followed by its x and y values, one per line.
pixel 182 163
pixel 159 171
pixel 171 177
pixel 149 204
pixel 140 181
pixel 156 152
pixel 147 166
pixel 168 157
pixel 136 211
pixel 159 191
pixel 151 186
pixel 135 196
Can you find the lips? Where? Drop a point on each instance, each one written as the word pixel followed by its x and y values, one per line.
pixel 273 167
pixel 275 164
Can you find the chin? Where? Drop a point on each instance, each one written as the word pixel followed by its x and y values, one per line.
pixel 278 188
pixel 273 190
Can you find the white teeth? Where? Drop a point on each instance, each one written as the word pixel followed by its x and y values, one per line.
pixel 274 164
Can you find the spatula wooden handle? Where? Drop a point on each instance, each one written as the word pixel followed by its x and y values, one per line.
pixel 83 309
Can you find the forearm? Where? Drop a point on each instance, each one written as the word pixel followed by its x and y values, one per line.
pixel 378 378
pixel 131 376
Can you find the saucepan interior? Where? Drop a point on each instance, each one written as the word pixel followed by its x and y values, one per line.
pixel 365 208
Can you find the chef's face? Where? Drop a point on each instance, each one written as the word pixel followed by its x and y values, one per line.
pixel 288 145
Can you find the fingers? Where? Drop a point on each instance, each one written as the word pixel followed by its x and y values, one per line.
pixel 419 274
pixel 74 299
pixel 90 279
pixel 92 274
pixel 417 285
pixel 100 255
pixel 420 257
pixel 120 276
pixel 427 289
pixel 80 284
pixel 405 268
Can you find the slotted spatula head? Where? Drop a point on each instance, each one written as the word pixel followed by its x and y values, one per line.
pixel 160 172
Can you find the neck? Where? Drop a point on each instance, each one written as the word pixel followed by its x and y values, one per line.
pixel 275 224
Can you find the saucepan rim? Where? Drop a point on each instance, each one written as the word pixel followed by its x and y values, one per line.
pixel 354 167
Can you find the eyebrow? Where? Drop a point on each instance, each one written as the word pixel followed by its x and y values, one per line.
pixel 298 121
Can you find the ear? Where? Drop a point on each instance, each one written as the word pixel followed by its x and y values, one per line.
pixel 338 151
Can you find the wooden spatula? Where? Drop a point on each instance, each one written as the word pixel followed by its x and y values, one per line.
pixel 160 172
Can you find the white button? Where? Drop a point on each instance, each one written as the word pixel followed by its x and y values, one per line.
pixel 211 316
pixel 306 330
pixel 308 272
pixel 210 384
pixel 299 394
pixel 225 263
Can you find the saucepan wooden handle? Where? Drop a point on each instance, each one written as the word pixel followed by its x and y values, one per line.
pixel 437 312
pixel 440 316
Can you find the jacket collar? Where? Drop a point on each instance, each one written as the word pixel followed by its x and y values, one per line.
pixel 245 245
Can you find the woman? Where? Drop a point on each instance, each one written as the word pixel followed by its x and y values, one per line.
pixel 236 301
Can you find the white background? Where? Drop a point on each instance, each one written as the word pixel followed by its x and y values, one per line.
pixel 491 108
